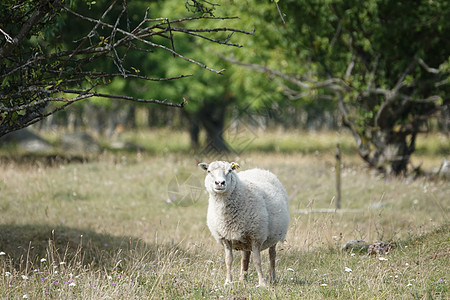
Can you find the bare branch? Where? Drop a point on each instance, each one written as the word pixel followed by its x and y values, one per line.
pixel 147 42
pixel 427 68
pixel 7 37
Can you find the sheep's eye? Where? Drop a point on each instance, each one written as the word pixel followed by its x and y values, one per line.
pixel 230 170
pixel 209 171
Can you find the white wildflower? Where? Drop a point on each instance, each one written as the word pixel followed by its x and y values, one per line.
pixel 72 284
pixel 2 253
pixel 43 260
pixel 290 270
pixel 324 284
pixel 24 277
pixel 383 258
pixel 409 284
pixel 7 274
pixel 25 296
pixel 348 270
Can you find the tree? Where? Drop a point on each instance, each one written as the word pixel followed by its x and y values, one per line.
pixel 43 69
pixel 386 64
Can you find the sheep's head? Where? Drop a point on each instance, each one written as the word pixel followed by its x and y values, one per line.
pixel 220 176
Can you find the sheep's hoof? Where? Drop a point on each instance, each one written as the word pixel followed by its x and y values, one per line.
pixel 262 284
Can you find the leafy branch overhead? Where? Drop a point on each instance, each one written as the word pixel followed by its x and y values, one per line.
pixel 385 64
pixel 41 63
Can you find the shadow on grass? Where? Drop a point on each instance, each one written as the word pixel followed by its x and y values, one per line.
pixel 24 246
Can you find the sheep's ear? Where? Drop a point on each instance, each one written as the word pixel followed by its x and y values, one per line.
pixel 204 166
pixel 235 166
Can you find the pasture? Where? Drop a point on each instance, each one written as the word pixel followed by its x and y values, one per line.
pixel 133 226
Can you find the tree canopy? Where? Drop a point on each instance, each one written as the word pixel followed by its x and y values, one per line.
pixel 55 51
pixel 386 64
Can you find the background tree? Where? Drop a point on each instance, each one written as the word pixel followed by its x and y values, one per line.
pixel 44 67
pixel 384 63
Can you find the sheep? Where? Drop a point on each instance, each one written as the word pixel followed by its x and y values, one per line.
pixel 247 211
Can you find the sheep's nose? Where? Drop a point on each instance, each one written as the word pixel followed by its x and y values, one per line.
pixel 220 182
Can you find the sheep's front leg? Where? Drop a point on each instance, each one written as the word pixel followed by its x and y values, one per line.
pixel 244 265
pixel 256 248
pixel 228 260
pixel 272 257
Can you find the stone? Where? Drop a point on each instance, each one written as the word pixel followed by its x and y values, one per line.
pixel 26 140
pixel 355 246
pixel 79 143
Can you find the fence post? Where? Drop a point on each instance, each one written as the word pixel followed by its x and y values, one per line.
pixel 338 176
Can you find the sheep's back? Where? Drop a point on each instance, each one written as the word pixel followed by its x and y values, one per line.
pixel 275 197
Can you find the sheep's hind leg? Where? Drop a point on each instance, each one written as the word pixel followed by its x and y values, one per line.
pixel 228 260
pixel 256 248
pixel 244 265
pixel 272 257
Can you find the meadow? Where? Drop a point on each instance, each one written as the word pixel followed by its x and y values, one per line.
pixel 132 225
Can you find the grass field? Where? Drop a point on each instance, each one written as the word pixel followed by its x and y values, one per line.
pixel 133 226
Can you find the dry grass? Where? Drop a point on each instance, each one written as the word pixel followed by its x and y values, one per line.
pixel 133 227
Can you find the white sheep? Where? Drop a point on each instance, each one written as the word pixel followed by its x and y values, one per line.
pixel 247 211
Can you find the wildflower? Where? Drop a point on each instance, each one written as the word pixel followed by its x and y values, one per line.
pixel 43 279
pixel 406 264
pixel 382 259
pixel 72 284
pixel 440 280
pixel 7 274
pixel 324 284
pixel 25 296
pixel 62 263
pixel 290 270
pixel 353 254
pixel 43 260
pixel 114 284
pixel 409 284
pixel 348 270
pixel 2 253
pixel 55 282
pixel 24 277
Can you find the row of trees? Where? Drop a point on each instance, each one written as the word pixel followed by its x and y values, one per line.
pixel 383 65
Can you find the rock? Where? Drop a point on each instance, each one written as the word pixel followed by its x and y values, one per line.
pixel 355 246
pixel 380 248
pixel 444 169
pixel 26 140
pixel 119 145
pixel 80 143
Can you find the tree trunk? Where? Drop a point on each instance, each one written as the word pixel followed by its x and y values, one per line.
pixel 211 117
pixel 391 151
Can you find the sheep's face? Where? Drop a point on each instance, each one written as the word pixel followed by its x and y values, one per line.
pixel 220 177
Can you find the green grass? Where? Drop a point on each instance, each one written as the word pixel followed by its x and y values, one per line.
pixel 133 226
